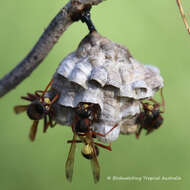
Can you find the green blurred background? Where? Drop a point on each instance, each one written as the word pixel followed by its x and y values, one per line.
pixel 155 34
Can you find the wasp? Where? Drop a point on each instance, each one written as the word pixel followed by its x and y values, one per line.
pixel 150 118
pixel 39 108
pixel 85 115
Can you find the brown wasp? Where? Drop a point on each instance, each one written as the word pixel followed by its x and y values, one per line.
pixel 150 118
pixel 85 115
pixel 39 108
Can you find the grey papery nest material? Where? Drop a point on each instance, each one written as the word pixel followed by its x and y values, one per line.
pixel 102 72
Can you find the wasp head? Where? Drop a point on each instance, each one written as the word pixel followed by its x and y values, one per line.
pixel 83 111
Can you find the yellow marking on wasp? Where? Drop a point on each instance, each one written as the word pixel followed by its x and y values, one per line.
pixel 87 149
pixel 85 106
pixel 47 101
pixel 150 113
pixel 150 107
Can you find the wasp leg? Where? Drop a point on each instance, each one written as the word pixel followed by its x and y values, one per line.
pixel 108 147
pixel 47 87
pixel 157 104
pixel 46 124
pixel 38 93
pixel 74 141
pixel 149 131
pixel 163 101
pixel 103 135
pixel 138 132
pixel 33 130
pixel 53 101
pixel 30 97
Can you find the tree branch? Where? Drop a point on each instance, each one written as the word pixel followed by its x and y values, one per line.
pixel 183 15
pixel 67 15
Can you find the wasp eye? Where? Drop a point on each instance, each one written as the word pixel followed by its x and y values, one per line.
pixel 36 111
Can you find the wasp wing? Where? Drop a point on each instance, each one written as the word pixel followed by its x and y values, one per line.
pixel 20 108
pixel 46 124
pixel 95 169
pixel 33 130
pixel 70 160
pixel 94 162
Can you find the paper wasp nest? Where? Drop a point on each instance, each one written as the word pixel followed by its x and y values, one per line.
pixel 104 73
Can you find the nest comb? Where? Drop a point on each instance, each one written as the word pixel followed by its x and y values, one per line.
pixel 102 72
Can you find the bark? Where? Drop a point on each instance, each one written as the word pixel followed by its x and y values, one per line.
pixel 67 15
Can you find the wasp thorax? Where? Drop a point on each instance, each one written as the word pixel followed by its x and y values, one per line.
pixel 36 110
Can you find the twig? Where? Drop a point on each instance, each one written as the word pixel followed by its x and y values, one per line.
pixel 67 15
pixel 183 15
